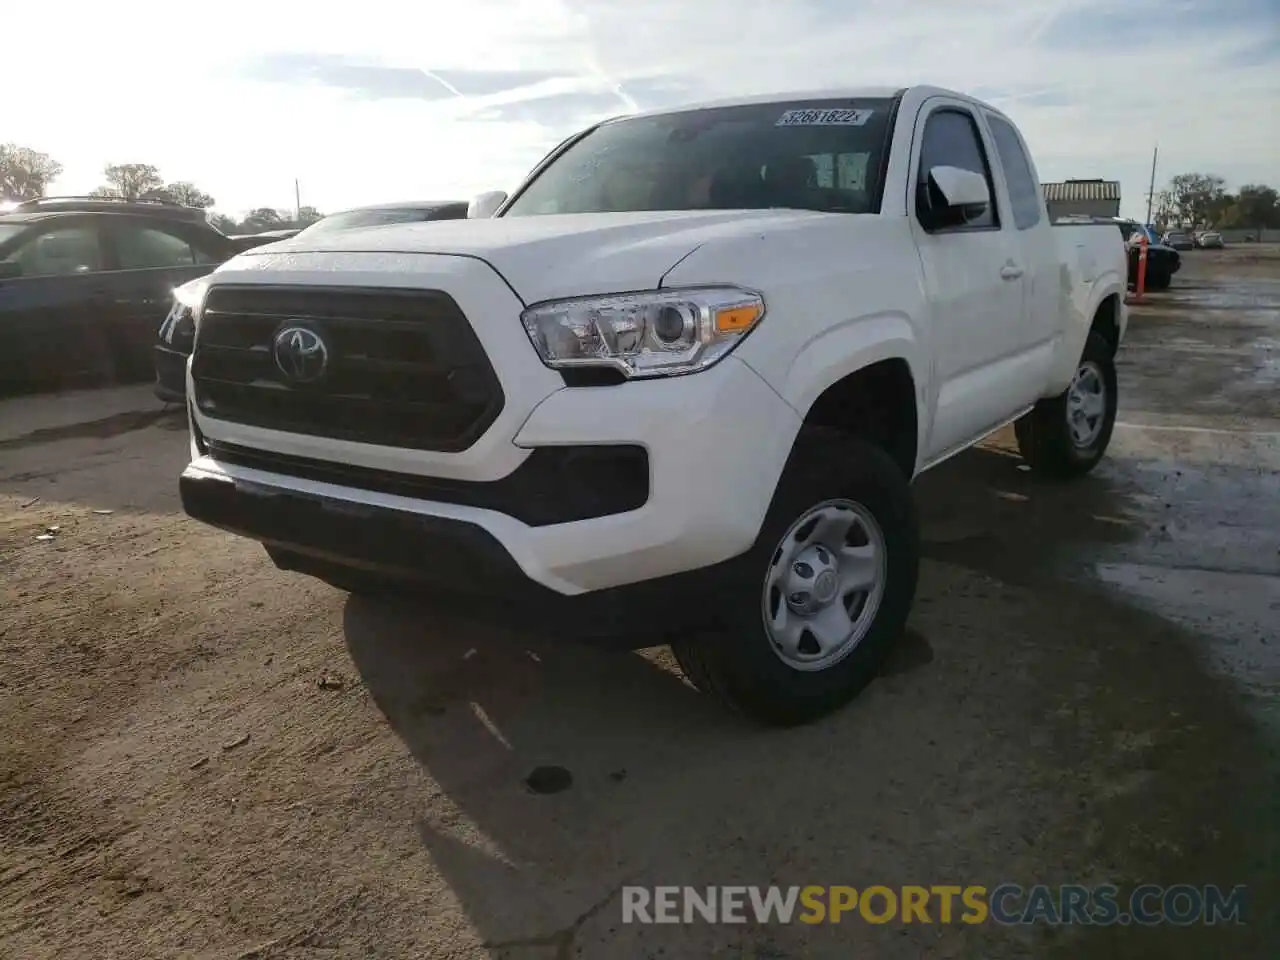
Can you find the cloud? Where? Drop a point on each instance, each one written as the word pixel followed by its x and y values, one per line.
pixel 479 83
pixel 401 101
pixel 368 80
pixel 556 111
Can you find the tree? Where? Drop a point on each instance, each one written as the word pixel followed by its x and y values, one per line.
pixel 227 225
pixel 129 180
pixel 1257 206
pixel 1196 197
pixel 1164 214
pixel 263 218
pixel 187 194
pixel 25 173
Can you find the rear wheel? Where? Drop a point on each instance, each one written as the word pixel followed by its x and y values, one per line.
pixel 1067 435
pixel 810 612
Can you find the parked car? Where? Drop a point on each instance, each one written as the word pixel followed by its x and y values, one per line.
pixel 690 411
pixel 173 346
pixel 85 281
pixel 1162 261
pixel 1210 241
pixel 1178 240
pixel 177 333
pixel 247 241
pixel 385 213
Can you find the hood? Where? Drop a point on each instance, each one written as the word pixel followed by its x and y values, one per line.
pixel 561 255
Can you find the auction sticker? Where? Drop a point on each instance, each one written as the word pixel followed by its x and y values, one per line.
pixel 824 118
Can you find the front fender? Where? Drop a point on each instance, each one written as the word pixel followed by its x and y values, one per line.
pixel 848 347
pixel 855 345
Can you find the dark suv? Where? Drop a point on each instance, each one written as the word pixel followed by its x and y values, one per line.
pixel 86 281
pixel 1162 261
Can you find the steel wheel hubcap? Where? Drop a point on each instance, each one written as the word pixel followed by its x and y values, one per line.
pixel 1086 405
pixel 824 585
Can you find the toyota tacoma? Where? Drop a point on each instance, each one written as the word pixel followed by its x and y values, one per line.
pixel 674 389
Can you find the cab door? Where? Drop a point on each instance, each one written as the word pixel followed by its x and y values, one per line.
pixel 52 299
pixel 148 258
pixel 972 276
pixel 1035 239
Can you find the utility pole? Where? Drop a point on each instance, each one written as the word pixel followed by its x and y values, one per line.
pixel 1151 191
pixel 297 201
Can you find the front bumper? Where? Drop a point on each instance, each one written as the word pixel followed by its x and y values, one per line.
pixel 716 442
pixel 171 374
pixel 325 536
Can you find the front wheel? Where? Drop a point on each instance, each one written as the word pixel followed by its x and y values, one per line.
pixel 1066 436
pixel 809 613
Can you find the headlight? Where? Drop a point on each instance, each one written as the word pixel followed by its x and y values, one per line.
pixel 651 334
pixel 188 299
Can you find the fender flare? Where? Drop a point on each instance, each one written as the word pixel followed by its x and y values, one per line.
pixel 854 345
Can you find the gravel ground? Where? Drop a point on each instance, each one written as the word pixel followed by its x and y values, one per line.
pixel 204 757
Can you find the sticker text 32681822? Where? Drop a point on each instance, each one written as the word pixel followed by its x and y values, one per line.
pixel 824 118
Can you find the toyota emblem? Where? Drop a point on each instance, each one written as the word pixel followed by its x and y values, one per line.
pixel 300 354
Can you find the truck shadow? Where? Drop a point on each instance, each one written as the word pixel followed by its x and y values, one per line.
pixel 985 510
pixel 1051 735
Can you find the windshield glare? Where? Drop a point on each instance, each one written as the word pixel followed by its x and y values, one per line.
pixel 811 155
pixel 368 218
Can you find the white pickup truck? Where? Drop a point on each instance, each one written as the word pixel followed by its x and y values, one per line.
pixel 674 389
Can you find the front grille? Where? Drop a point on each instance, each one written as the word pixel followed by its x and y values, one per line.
pixel 404 368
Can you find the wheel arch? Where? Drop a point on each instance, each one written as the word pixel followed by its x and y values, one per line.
pixel 877 402
pixel 1107 321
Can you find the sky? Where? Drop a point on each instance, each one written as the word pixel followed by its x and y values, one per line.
pixel 385 101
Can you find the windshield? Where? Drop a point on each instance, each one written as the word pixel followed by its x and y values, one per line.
pixel 812 155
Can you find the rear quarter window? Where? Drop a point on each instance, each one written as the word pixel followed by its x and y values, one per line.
pixel 1024 194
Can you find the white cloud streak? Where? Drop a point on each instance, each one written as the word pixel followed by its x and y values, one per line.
pixel 1091 103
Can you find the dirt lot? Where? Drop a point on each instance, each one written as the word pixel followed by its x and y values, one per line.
pixel 204 757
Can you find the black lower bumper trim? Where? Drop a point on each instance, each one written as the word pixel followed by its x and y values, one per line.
pixel 326 537
pixel 553 484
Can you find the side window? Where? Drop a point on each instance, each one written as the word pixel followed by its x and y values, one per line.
pixel 206 252
pixel 1024 195
pixel 951 139
pixel 142 247
pixel 62 251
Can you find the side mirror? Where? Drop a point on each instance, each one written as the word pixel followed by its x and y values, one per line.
pixel 10 270
pixel 486 205
pixel 956 196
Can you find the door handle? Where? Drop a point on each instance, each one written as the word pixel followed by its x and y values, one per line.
pixel 1010 272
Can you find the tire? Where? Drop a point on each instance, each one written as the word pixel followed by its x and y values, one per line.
pixel 1046 438
pixel 847 482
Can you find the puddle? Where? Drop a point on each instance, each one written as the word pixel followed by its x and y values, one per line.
pixel 1234 613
